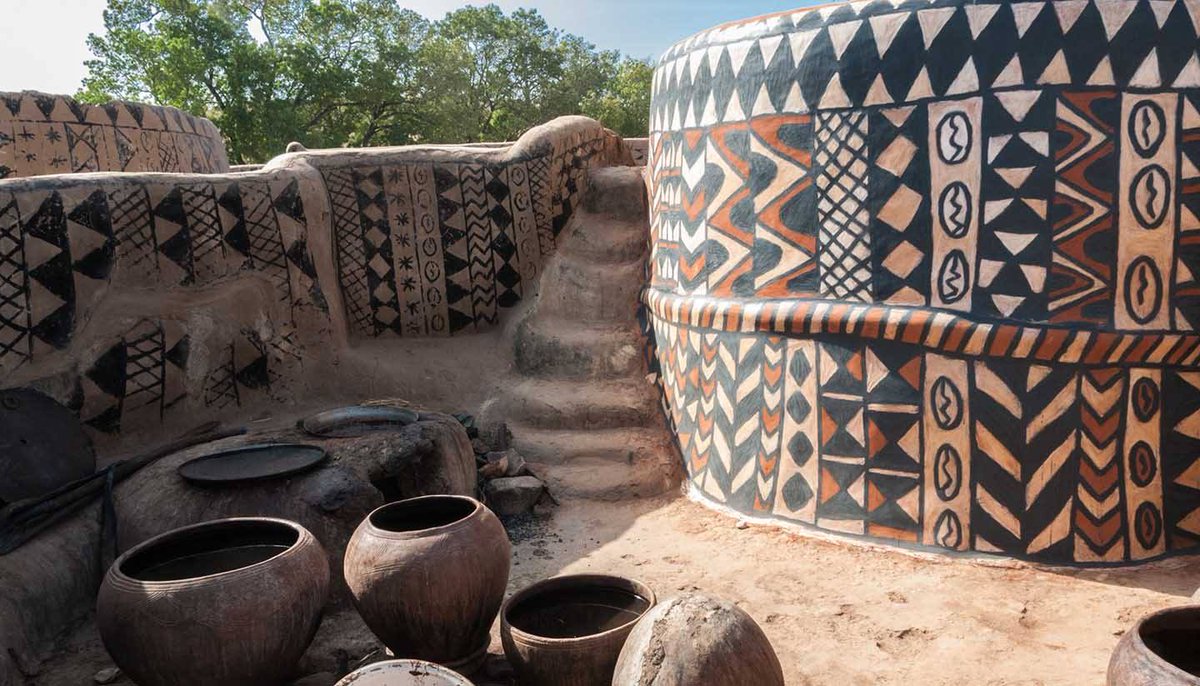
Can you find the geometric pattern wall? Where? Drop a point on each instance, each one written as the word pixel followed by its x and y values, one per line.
pixel 65 246
pixel 925 272
pixel 54 134
pixel 875 152
pixel 888 440
pixel 134 297
pixel 429 248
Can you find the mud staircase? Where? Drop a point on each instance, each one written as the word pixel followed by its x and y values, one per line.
pixel 580 406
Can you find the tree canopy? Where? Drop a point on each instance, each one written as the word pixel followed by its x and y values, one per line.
pixel 332 73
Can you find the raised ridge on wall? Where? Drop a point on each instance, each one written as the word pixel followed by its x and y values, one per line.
pixel 924 271
pixel 54 134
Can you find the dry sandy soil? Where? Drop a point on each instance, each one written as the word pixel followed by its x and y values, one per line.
pixel 837 612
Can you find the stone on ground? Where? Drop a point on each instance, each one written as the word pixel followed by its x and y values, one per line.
pixel 513 495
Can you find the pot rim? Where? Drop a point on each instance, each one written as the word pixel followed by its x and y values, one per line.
pixel 118 577
pixel 1136 637
pixel 569 580
pixel 429 667
pixel 477 509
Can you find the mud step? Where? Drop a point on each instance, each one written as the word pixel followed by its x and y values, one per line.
pixel 597 238
pixel 603 480
pixel 617 192
pixel 555 404
pixel 604 464
pixel 554 348
pixel 612 446
pixel 581 290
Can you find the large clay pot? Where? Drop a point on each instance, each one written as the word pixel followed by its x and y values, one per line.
pixel 234 602
pixel 404 673
pixel 1163 649
pixel 568 631
pixel 428 575
pixel 692 640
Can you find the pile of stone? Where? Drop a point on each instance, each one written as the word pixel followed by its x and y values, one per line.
pixel 506 482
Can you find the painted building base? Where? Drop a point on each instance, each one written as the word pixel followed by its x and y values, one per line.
pixel 906 439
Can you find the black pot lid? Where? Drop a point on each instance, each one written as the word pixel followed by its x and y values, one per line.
pixel 252 463
pixel 347 422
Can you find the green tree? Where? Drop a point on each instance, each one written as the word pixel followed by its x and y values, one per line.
pixel 624 103
pixel 338 72
pixel 334 73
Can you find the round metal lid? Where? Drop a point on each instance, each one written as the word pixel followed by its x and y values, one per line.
pixel 347 422
pixel 43 445
pixel 252 463
pixel 404 673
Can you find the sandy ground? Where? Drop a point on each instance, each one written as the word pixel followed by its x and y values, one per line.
pixel 837 613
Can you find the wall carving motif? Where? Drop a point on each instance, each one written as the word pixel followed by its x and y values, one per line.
pixel 53 134
pixel 922 271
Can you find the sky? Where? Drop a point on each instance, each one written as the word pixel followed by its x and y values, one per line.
pixel 42 41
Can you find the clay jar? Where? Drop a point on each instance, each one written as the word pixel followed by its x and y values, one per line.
pixel 428 575
pixel 1163 649
pixel 233 602
pixel 568 631
pixel 691 640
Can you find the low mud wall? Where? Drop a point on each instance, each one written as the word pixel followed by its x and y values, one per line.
pixel 53 134
pixel 145 299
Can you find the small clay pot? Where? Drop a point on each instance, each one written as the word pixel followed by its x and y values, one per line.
pixel 404 673
pixel 428 575
pixel 568 631
pixel 691 640
pixel 1163 649
pixel 234 602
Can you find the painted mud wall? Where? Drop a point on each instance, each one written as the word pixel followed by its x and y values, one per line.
pixel 53 134
pixel 144 300
pixel 926 271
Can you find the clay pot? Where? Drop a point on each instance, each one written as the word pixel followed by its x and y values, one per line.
pixel 568 631
pixel 232 602
pixel 428 575
pixel 693 640
pixel 1163 649
pixel 404 673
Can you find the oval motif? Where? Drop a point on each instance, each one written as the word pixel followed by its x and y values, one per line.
pixel 954 277
pixel 954 137
pixel 955 209
pixel 1150 196
pixel 948 531
pixel 1143 466
pixel 1145 399
pixel 1147 128
pixel 946 403
pixel 947 472
pixel 1147 525
pixel 1143 290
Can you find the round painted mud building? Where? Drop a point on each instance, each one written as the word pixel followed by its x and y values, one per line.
pixel 929 272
